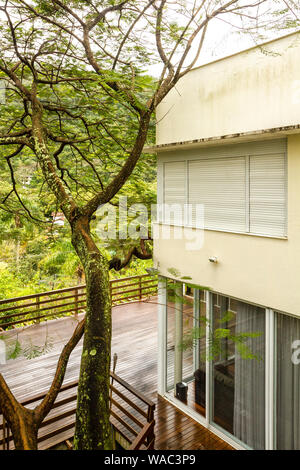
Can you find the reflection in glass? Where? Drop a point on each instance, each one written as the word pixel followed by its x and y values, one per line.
pixel 179 325
pixel 199 398
pixel 288 383
pixel 239 382
pixel 186 353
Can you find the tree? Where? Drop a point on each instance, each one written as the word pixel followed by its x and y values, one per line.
pixel 25 422
pixel 79 103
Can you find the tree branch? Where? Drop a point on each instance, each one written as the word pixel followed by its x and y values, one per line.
pixel 118 181
pixel 45 406
pixel 25 422
pixel 117 264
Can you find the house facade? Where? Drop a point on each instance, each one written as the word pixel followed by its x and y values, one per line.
pixel 227 246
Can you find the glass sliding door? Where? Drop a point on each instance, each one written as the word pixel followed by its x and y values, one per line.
pixel 288 383
pixel 186 344
pixel 180 317
pixel 223 354
pixel 238 375
pixel 216 351
pixel 170 336
pixel 198 386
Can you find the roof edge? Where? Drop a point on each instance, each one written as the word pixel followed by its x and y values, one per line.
pixel 228 138
pixel 248 49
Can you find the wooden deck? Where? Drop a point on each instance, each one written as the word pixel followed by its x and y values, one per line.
pixel 135 342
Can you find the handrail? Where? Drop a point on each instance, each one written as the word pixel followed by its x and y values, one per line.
pixel 135 392
pixel 142 437
pixel 124 290
pixel 134 427
pixel 40 294
pixel 129 277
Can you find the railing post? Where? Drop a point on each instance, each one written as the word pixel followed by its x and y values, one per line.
pixel 37 308
pixel 110 291
pixel 5 435
pixel 76 301
pixel 140 288
pixel 150 418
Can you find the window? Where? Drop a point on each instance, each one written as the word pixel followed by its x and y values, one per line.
pixel 288 383
pixel 240 363
pixel 238 381
pixel 242 188
pixel 219 184
pixel 216 348
pixel 267 194
pixel 174 191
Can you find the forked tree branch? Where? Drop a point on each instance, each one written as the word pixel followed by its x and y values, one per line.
pixel 45 406
pixel 117 264
pixel 25 422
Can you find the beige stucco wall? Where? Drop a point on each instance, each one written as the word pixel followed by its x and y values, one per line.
pixel 253 90
pixel 260 270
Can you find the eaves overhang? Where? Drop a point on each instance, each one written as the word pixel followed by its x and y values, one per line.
pixel 272 133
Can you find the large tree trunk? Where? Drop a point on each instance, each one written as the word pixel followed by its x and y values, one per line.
pixel 92 430
pixel 22 421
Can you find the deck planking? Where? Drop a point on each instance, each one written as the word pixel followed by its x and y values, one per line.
pixel 134 339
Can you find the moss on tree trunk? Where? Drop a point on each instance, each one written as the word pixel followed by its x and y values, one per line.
pixel 23 422
pixel 92 430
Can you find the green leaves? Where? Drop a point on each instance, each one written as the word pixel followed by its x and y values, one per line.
pixel 174 272
pixel 220 333
pixel 175 31
pixel 227 316
pixel 31 351
pixel 15 349
pixel 222 336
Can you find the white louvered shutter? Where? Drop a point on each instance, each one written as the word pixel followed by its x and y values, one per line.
pixel 174 192
pixel 220 184
pixel 268 195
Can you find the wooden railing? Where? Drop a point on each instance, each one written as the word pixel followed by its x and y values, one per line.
pixel 132 418
pixel 24 310
pixel 131 412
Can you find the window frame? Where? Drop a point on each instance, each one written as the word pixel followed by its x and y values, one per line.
pixel 270 374
pixel 187 157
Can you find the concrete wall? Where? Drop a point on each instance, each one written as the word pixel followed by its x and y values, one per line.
pixel 253 90
pixel 260 270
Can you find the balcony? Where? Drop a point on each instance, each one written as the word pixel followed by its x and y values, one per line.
pixel 139 417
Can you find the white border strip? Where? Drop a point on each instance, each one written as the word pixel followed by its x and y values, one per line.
pixel 269 380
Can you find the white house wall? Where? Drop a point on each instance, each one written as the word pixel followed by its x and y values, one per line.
pixel 252 268
pixel 254 90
